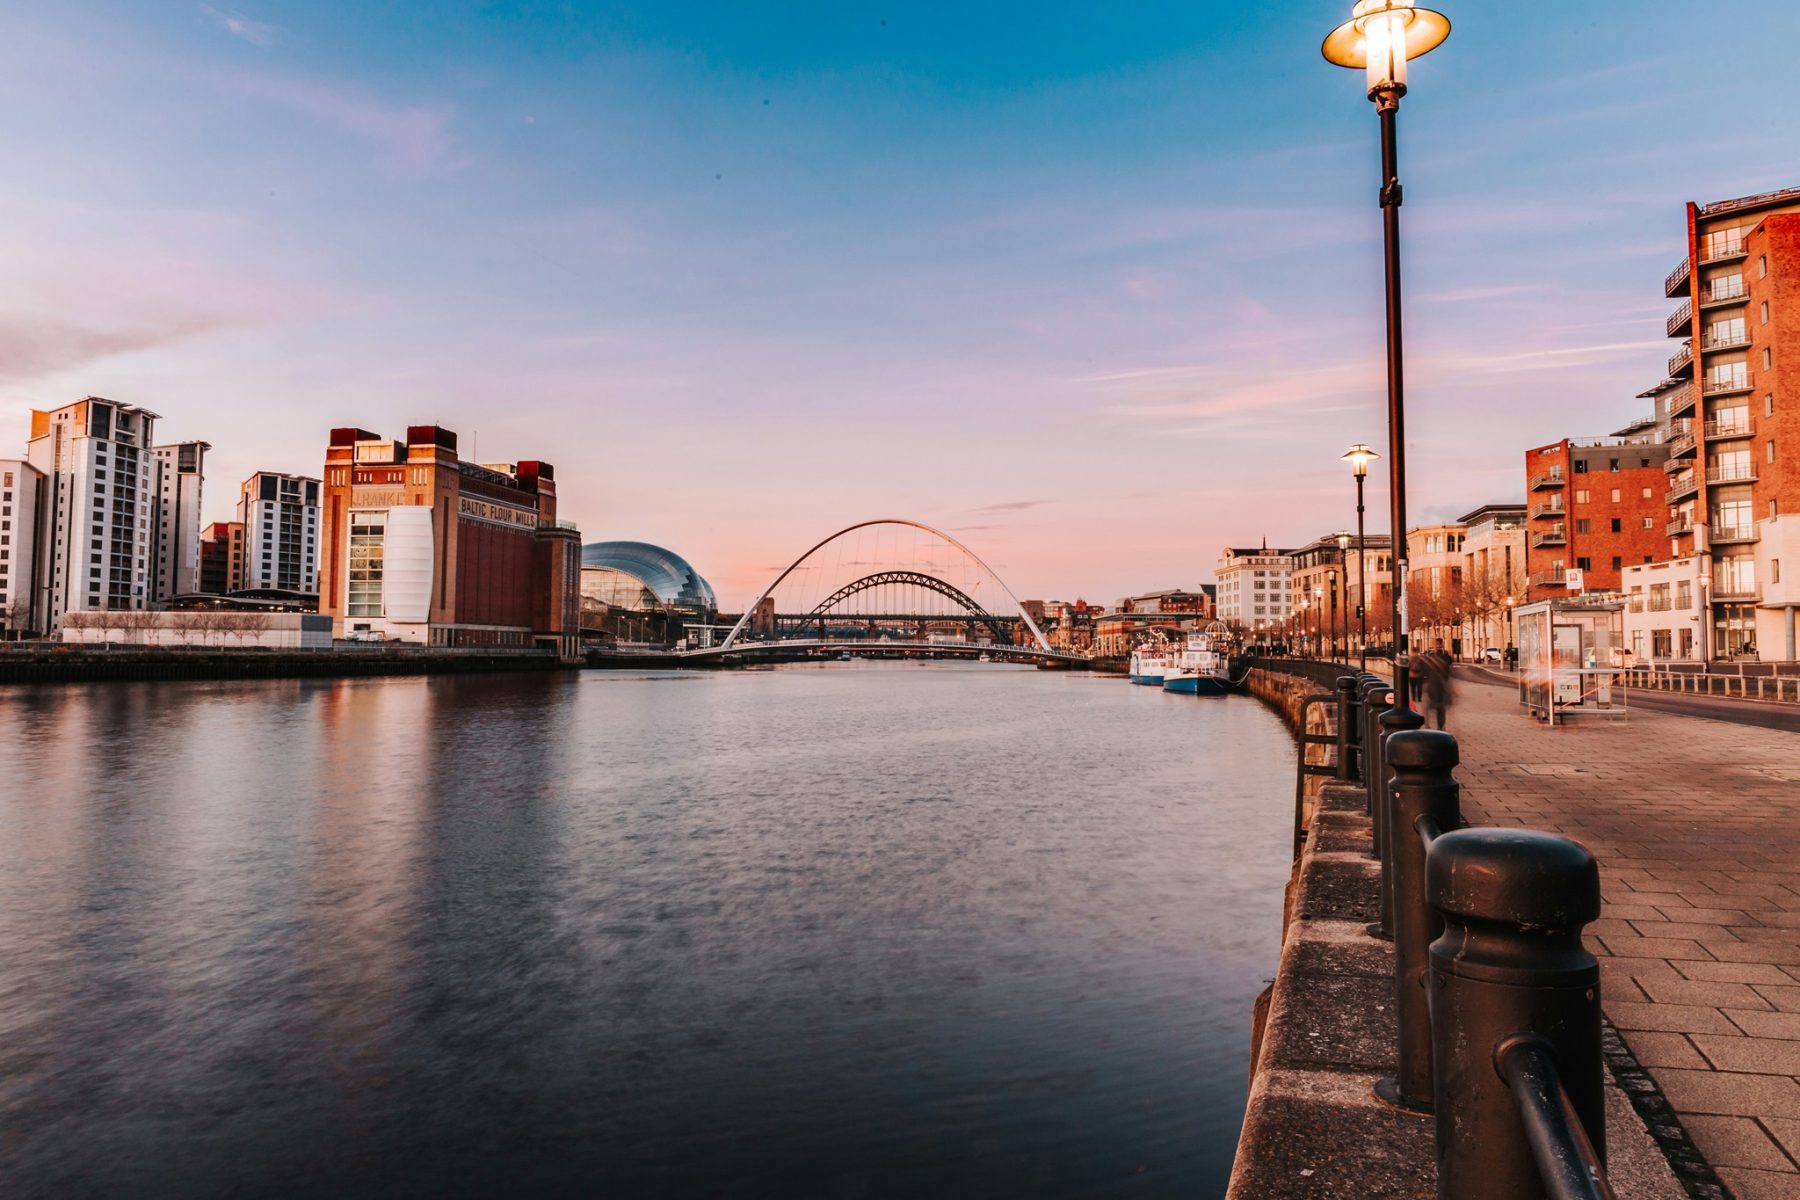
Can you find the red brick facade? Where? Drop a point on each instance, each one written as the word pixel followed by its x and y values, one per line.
pixel 1596 505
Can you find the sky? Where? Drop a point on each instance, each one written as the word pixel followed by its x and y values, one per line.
pixel 1094 288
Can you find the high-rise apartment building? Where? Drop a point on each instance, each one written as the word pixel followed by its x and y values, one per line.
pixel 94 537
pixel 180 470
pixel 1596 506
pixel 1253 585
pixel 421 546
pixel 1733 494
pixel 21 494
pixel 222 558
pixel 280 519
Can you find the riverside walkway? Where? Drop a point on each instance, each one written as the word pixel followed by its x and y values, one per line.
pixel 1696 824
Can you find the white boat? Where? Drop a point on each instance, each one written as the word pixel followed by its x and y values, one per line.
pixel 985 657
pixel 1149 663
pixel 1202 667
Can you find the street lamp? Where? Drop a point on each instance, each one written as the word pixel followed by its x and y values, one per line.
pixel 1343 541
pixel 1380 36
pixel 1359 457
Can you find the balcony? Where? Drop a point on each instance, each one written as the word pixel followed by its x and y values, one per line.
pixel 1723 252
pixel 1551 537
pixel 1677 280
pixel 1681 321
pixel 1730 429
pixel 1549 479
pixel 1745 473
pixel 1658 602
pixel 1542 511
pixel 1679 527
pixel 1723 293
pixel 1724 385
pixel 1722 535
pixel 1735 591
pixel 1725 341
pixel 1558 577
pixel 1680 446
pixel 1682 360
pixel 1681 489
pixel 1681 400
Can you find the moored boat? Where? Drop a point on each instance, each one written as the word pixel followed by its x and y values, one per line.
pixel 1149 663
pixel 1202 667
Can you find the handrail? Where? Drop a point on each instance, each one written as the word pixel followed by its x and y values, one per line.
pixel 1566 1158
pixel 1304 768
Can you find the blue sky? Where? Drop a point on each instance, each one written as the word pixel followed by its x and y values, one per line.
pixel 1097 288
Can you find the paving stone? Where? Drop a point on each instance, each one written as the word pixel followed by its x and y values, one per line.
pixel 1668 1018
pixel 1718 995
pixel 1663 1049
pixel 1764 1024
pixel 1784 999
pixel 1723 972
pixel 1736 1142
pixel 1762 1056
pixel 1746 1184
pixel 1730 1093
pixel 1642 947
pixel 1786 1132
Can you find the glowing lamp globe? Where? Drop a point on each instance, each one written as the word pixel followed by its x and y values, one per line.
pixel 1381 35
pixel 1359 457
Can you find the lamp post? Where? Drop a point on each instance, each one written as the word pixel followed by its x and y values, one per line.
pixel 1380 36
pixel 1343 541
pixel 1359 457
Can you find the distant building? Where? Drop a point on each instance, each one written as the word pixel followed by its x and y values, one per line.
pixel 1435 597
pixel 21 495
pixel 1663 611
pixel 175 518
pixel 1173 600
pixel 420 546
pixel 94 538
pixel 280 519
pixel 1493 575
pixel 222 558
pixel 1253 583
pixel 1327 583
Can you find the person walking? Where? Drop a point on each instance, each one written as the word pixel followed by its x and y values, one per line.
pixel 1434 684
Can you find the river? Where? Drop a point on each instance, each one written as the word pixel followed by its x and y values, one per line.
pixel 850 930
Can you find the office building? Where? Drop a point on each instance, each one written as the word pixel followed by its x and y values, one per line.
pixel 94 538
pixel 180 470
pixel 1327 583
pixel 420 546
pixel 1253 586
pixel 280 518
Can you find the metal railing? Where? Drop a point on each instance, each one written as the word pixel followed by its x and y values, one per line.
pixel 1682 359
pixel 1681 400
pixel 1547 479
pixel 1674 279
pixel 1680 318
pixel 1722 251
pixel 1724 295
pixel 1716 385
pixel 1735 474
pixel 1718 534
pixel 1724 341
pixel 1552 578
pixel 1550 537
pixel 1681 489
pixel 1681 444
pixel 1736 591
pixel 1679 526
pixel 1547 510
pixel 1743 427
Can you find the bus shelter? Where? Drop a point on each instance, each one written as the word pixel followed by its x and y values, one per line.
pixel 1570 655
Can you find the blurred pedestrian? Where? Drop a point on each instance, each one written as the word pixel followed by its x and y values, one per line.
pixel 1434 684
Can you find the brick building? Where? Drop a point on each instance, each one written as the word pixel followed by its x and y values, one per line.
pixel 1731 423
pixel 222 558
pixel 420 546
pixel 1595 506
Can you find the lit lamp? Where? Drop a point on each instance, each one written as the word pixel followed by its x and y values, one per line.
pixel 1359 457
pixel 1380 36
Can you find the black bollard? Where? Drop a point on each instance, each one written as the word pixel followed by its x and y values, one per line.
pixel 1375 703
pixel 1422 804
pixel 1346 724
pixel 1515 999
pixel 1397 719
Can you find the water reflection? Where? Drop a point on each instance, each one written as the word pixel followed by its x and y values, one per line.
pixel 842 932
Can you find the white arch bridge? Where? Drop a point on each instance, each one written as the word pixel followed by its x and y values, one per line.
pixel 885 588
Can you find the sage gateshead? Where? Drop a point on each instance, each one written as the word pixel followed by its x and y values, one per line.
pixel 641 578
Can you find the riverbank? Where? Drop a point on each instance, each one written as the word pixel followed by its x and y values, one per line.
pixel 72 664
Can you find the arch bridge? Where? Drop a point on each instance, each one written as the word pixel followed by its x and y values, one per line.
pixel 888 612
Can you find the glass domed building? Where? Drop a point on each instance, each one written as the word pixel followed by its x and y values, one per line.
pixel 639 577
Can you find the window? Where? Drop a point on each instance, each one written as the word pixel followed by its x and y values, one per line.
pixel 368 536
pixel 1581 466
pixel 1649 522
pixel 1581 525
pixel 1763 312
pixel 1615 495
pixel 1769 450
pixel 1581 497
pixel 1769 405
pixel 1762 267
pixel 1612 464
pixel 1617 562
pixel 1768 357
pixel 1684 593
pixel 1615 525
pixel 1644 492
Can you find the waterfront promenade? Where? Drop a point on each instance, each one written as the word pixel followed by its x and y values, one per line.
pixel 1694 824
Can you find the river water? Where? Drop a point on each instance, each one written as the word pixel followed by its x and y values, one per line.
pixel 857 930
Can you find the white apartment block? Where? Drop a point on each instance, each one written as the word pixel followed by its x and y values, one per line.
pixel 1664 603
pixel 21 488
pixel 281 531
pixel 94 536
pixel 1254 585
pixel 175 519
